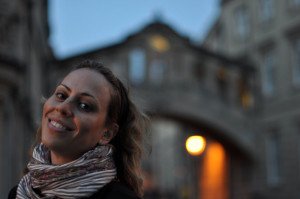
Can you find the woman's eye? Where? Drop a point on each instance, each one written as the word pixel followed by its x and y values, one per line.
pixel 61 95
pixel 84 106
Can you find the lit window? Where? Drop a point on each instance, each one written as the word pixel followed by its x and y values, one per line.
pixel 245 95
pixel 222 82
pixel 272 149
pixel 137 66
pixel 296 62
pixel 159 43
pixel 268 74
pixel 156 72
pixel 267 10
pixel 242 23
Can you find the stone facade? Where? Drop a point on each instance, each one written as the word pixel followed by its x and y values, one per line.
pixel 24 54
pixel 239 89
pixel 266 33
pixel 174 80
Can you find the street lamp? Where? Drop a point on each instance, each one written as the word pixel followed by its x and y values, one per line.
pixel 195 145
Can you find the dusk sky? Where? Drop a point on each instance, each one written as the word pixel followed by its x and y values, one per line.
pixel 79 26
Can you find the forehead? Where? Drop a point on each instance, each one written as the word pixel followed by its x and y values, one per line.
pixel 89 81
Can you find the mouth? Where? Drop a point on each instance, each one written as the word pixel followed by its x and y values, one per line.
pixel 58 125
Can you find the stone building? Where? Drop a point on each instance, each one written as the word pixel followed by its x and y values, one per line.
pixel 239 90
pixel 266 34
pixel 187 90
pixel 24 53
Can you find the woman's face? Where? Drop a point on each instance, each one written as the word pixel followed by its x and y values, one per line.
pixel 74 116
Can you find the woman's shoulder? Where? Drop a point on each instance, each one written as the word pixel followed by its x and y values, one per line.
pixel 13 193
pixel 115 189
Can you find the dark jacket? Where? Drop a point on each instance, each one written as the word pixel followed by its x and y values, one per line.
pixel 113 190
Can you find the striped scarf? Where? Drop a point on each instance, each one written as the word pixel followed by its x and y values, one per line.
pixel 76 179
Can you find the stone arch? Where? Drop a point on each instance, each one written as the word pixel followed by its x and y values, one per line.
pixel 213 130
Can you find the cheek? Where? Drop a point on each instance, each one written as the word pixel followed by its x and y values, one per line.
pixel 48 105
pixel 45 108
pixel 91 125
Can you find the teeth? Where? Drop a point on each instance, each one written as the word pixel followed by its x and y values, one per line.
pixel 57 125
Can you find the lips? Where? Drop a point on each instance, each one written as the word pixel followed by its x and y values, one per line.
pixel 58 125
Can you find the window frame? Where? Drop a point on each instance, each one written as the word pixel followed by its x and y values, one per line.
pixel 157 70
pixel 273 160
pixel 269 6
pixel 137 56
pixel 269 73
pixel 242 22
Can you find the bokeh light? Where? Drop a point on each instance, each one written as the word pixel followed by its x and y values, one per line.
pixel 195 145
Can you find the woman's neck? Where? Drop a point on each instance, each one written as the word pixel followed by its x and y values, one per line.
pixel 60 159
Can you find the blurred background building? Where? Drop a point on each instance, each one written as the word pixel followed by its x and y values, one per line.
pixel 24 55
pixel 239 89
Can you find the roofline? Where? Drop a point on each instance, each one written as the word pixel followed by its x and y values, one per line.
pixel 231 62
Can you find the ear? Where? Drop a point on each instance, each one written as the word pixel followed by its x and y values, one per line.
pixel 109 134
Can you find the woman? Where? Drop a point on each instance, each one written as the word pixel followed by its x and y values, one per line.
pixel 89 142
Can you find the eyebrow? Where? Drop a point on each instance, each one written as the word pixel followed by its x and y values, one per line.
pixel 83 94
pixel 66 87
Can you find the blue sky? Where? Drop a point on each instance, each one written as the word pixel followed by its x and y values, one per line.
pixel 81 25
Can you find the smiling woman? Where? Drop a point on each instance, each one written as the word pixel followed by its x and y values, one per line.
pixel 89 144
pixel 74 117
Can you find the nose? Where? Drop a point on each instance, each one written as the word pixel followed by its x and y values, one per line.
pixel 65 109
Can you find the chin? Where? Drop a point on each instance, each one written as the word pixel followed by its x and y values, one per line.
pixel 52 143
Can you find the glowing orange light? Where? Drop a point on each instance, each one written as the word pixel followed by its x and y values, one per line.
pixel 159 43
pixel 195 145
pixel 213 182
